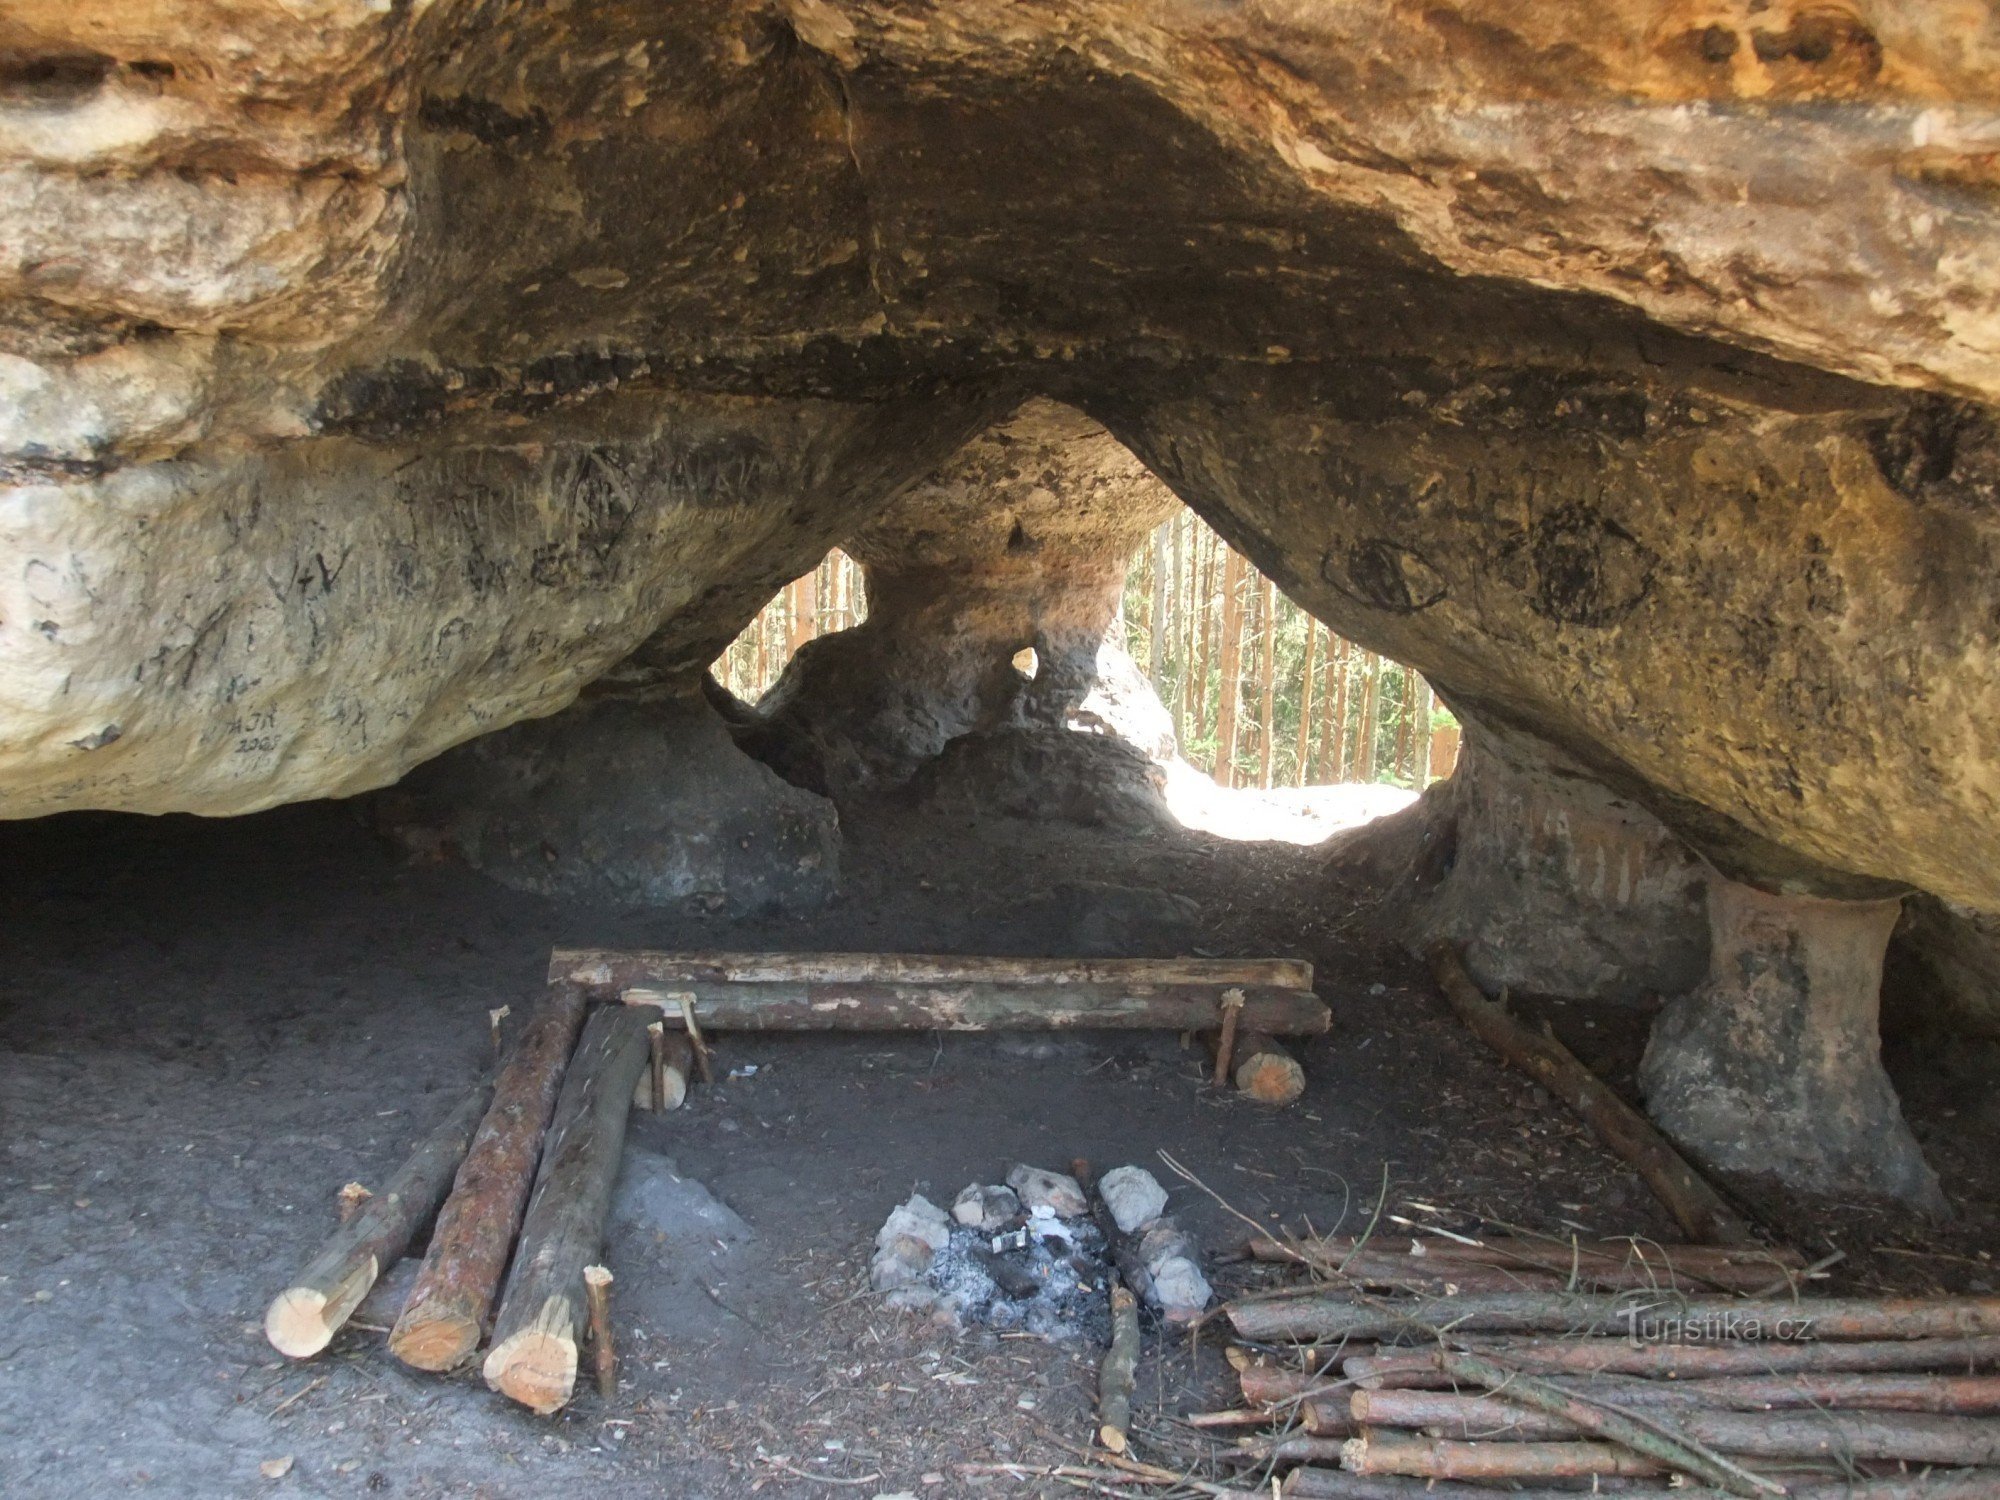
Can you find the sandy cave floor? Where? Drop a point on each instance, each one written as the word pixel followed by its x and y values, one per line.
pixel 207 1028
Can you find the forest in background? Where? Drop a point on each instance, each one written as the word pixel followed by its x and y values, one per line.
pixel 1308 707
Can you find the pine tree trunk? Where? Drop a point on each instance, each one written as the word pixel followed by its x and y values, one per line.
pixel 1423 745
pixel 1337 664
pixel 1182 616
pixel 1366 728
pixel 805 604
pixel 1405 717
pixel 1230 687
pixel 1204 618
pixel 1156 625
pixel 1267 669
pixel 1303 758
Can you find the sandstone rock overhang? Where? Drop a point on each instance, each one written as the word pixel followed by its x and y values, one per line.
pixel 377 376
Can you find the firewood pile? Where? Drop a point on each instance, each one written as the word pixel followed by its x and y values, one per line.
pixel 1469 1366
pixel 515 1184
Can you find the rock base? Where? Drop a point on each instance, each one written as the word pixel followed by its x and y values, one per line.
pixel 1772 1067
pixel 641 800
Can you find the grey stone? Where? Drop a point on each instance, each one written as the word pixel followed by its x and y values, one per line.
pixel 986 1207
pixel 1056 1191
pixel 1133 1195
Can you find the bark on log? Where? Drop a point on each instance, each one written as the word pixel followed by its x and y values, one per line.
pixel 1268 1385
pixel 1280 1452
pixel 1943 1395
pixel 1330 1484
pixel 533 1358
pixel 441 1324
pixel 304 1317
pixel 1115 1376
pixel 1443 1458
pixel 605 972
pixel 1336 1315
pixel 1695 1205
pixel 1266 1071
pixel 871 1006
pixel 1338 1484
pixel 1614 1265
pixel 1689 1361
pixel 1895 1436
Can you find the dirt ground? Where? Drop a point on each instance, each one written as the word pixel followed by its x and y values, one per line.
pixel 207 1028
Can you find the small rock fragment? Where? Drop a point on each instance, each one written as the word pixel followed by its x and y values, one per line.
pixel 986 1208
pixel 276 1468
pixel 1057 1191
pixel 1133 1195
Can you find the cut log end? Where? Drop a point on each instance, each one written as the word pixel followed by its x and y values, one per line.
pixel 536 1368
pixel 1113 1438
pixel 296 1323
pixel 302 1320
pixel 435 1343
pixel 1270 1075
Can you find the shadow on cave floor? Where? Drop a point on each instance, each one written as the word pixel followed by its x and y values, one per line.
pixel 207 1027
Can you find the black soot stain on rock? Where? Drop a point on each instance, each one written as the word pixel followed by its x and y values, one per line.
pixel 1385 575
pixel 1587 570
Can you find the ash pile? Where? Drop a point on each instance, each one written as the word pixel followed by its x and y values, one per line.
pixel 1040 1253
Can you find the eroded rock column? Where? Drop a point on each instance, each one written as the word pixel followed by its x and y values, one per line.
pixel 1019 543
pixel 1772 1067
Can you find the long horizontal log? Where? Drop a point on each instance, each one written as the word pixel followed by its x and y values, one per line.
pixel 1336 1315
pixel 1338 1484
pixel 1333 1484
pixel 1893 1436
pixel 535 1332
pixel 607 971
pixel 1605 1356
pixel 1615 1265
pixel 304 1317
pixel 943 1006
pixel 441 1324
pixel 1445 1458
pixel 1943 1395
pixel 1695 1205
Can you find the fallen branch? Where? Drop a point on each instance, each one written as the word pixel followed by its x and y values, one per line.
pixel 1337 1315
pixel 1698 1208
pixel 1674 1448
pixel 1331 1484
pixel 1783 1435
pixel 1611 1265
pixel 1445 1458
pixel 1115 1377
pixel 304 1317
pixel 1940 1395
pixel 1604 1356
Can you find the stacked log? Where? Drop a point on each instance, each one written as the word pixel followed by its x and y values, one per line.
pixel 1535 1392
